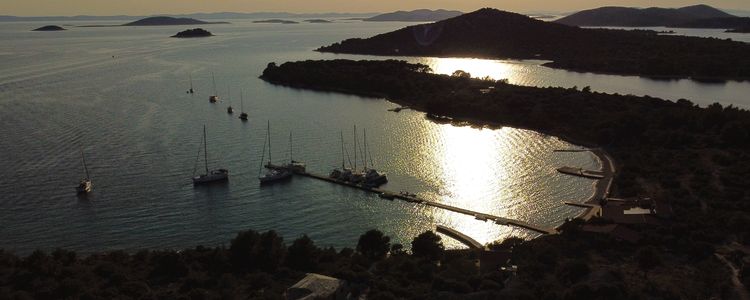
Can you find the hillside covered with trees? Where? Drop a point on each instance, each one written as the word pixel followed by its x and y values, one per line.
pixel 491 33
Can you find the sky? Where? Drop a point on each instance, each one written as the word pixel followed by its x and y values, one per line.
pixel 150 7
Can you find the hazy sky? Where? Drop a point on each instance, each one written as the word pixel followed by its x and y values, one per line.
pixel 148 7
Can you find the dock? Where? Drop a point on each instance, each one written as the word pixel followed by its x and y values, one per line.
pixel 464 239
pixel 414 199
pixel 580 172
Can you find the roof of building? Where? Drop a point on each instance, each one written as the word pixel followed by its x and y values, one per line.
pixel 314 286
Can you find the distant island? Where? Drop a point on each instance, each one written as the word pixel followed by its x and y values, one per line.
pixel 318 21
pixel 491 33
pixel 276 21
pixel 193 33
pixel 168 21
pixel 49 28
pixel 643 17
pixel 419 15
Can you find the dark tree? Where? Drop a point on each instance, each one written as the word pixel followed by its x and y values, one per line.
pixel 302 254
pixel 428 245
pixel 374 244
pixel 241 250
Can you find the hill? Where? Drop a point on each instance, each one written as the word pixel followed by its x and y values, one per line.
pixel 166 21
pixel 642 17
pixel 192 33
pixel 490 33
pixel 420 15
pixel 49 28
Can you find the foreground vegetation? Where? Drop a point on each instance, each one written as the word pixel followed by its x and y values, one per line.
pixel 694 159
pixel 261 266
pixel 490 33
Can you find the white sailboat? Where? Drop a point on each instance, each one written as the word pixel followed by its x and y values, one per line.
pixel 343 173
pixel 293 165
pixel 243 115
pixel 210 175
pixel 272 174
pixel 230 110
pixel 372 176
pixel 356 176
pixel 190 91
pixel 215 97
pixel 85 185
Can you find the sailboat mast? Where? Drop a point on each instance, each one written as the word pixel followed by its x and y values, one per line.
pixel 343 162
pixel 365 144
pixel 355 147
pixel 205 148
pixel 269 142
pixel 291 159
pixel 191 81
pixel 213 78
pixel 229 95
pixel 85 169
pixel 242 102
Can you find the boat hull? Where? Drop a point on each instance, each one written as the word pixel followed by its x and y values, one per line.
pixel 275 176
pixel 85 186
pixel 213 176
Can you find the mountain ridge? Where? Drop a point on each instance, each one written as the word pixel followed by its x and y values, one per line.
pixel 642 17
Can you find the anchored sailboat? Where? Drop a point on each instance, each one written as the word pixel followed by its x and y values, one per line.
pixel 210 175
pixel 215 97
pixel 344 173
pixel 356 176
pixel 190 91
pixel 273 174
pixel 85 185
pixel 230 110
pixel 243 115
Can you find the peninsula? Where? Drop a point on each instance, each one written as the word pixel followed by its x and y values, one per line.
pixel 49 28
pixel 419 15
pixel 687 159
pixel 491 33
pixel 193 33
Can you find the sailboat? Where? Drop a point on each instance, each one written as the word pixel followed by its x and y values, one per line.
pixel 356 176
pixel 372 176
pixel 85 185
pixel 230 110
pixel 215 97
pixel 343 173
pixel 273 174
pixel 210 175
pixel 294 166
pixel 243 115
pixel 190 91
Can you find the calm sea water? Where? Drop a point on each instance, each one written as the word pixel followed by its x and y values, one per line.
pixel 61 92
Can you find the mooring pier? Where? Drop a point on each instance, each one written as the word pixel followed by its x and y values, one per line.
pixel 414 199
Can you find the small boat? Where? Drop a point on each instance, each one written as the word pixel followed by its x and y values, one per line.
pixel 85 185
pixel 190 91
pixel 407 194
pixel 293 165
pixel 210 176
pixel 230 110
pixel 272 175
pixel 215 97
pixel 397 109
pixel 387 196
pixel 243 115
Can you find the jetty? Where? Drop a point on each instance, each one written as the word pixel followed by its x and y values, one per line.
pixel 415 199
pixel 580 172
pixel 464 239
pixel 604 179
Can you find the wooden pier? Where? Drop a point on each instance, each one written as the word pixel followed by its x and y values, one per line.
pixel 414 199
